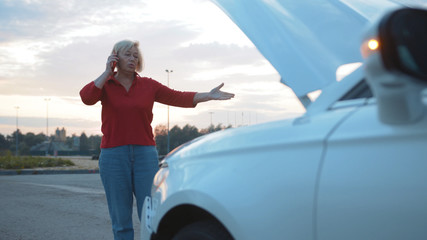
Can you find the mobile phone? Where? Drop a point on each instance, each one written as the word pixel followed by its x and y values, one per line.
pixel 113 64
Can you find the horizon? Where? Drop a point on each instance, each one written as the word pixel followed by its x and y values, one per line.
pixel 234 120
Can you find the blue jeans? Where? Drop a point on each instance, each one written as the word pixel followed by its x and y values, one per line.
pixel 126 171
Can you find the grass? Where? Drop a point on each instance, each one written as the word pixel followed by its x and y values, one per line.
pixel 21 162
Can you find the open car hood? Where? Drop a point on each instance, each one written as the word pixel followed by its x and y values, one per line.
pixel 305 40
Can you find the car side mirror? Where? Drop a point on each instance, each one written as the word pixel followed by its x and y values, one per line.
pixel 395 52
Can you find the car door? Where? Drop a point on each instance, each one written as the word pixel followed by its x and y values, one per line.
pixel 373 181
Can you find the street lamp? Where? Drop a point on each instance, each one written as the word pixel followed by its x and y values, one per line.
pixel 47 124
pixel 168 146
pixel 211 113
pixel 17 129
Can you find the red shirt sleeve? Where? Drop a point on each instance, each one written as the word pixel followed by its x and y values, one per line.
pixel 173 97
pixel 90 94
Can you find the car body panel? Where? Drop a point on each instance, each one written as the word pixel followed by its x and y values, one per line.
pixel 319 36
pixel 380 171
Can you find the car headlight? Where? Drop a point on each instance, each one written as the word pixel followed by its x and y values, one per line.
pixel 159 178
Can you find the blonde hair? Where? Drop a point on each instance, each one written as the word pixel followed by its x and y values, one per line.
pixel 125 45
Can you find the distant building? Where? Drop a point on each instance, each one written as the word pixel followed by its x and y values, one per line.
pixel 76 143
pixel 56 147
pixel 60 135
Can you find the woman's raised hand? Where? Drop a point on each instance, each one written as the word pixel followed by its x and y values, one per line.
pixel 217 94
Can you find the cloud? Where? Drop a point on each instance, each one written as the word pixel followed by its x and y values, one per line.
pixel 217 54
pixel 17 18
pixel 60 45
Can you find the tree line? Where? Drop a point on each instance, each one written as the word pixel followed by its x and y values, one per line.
pixel 26 141
pixel 91 144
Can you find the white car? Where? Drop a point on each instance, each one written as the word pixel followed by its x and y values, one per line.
pixel 354 166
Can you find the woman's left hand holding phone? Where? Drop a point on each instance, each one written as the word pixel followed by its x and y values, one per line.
pixel 112 62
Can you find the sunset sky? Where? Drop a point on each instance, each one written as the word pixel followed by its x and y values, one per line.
pixel 50 49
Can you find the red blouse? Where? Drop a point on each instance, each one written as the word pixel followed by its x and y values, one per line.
pixel 127 116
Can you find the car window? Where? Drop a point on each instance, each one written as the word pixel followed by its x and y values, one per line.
pixel 361 90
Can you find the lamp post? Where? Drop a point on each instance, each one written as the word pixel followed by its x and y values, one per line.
pixel 168 146
pixel 211 113
pixel 17 130
pixel 47 124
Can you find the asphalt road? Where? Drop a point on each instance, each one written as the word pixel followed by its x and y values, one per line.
pixel 44 207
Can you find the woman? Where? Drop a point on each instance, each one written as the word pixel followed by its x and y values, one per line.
pixel 128 160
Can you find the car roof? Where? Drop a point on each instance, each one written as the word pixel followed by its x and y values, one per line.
pixel 306 41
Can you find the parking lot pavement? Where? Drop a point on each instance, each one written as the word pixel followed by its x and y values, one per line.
pixel 66 207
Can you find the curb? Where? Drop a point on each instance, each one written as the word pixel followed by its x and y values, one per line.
pixel 45 171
